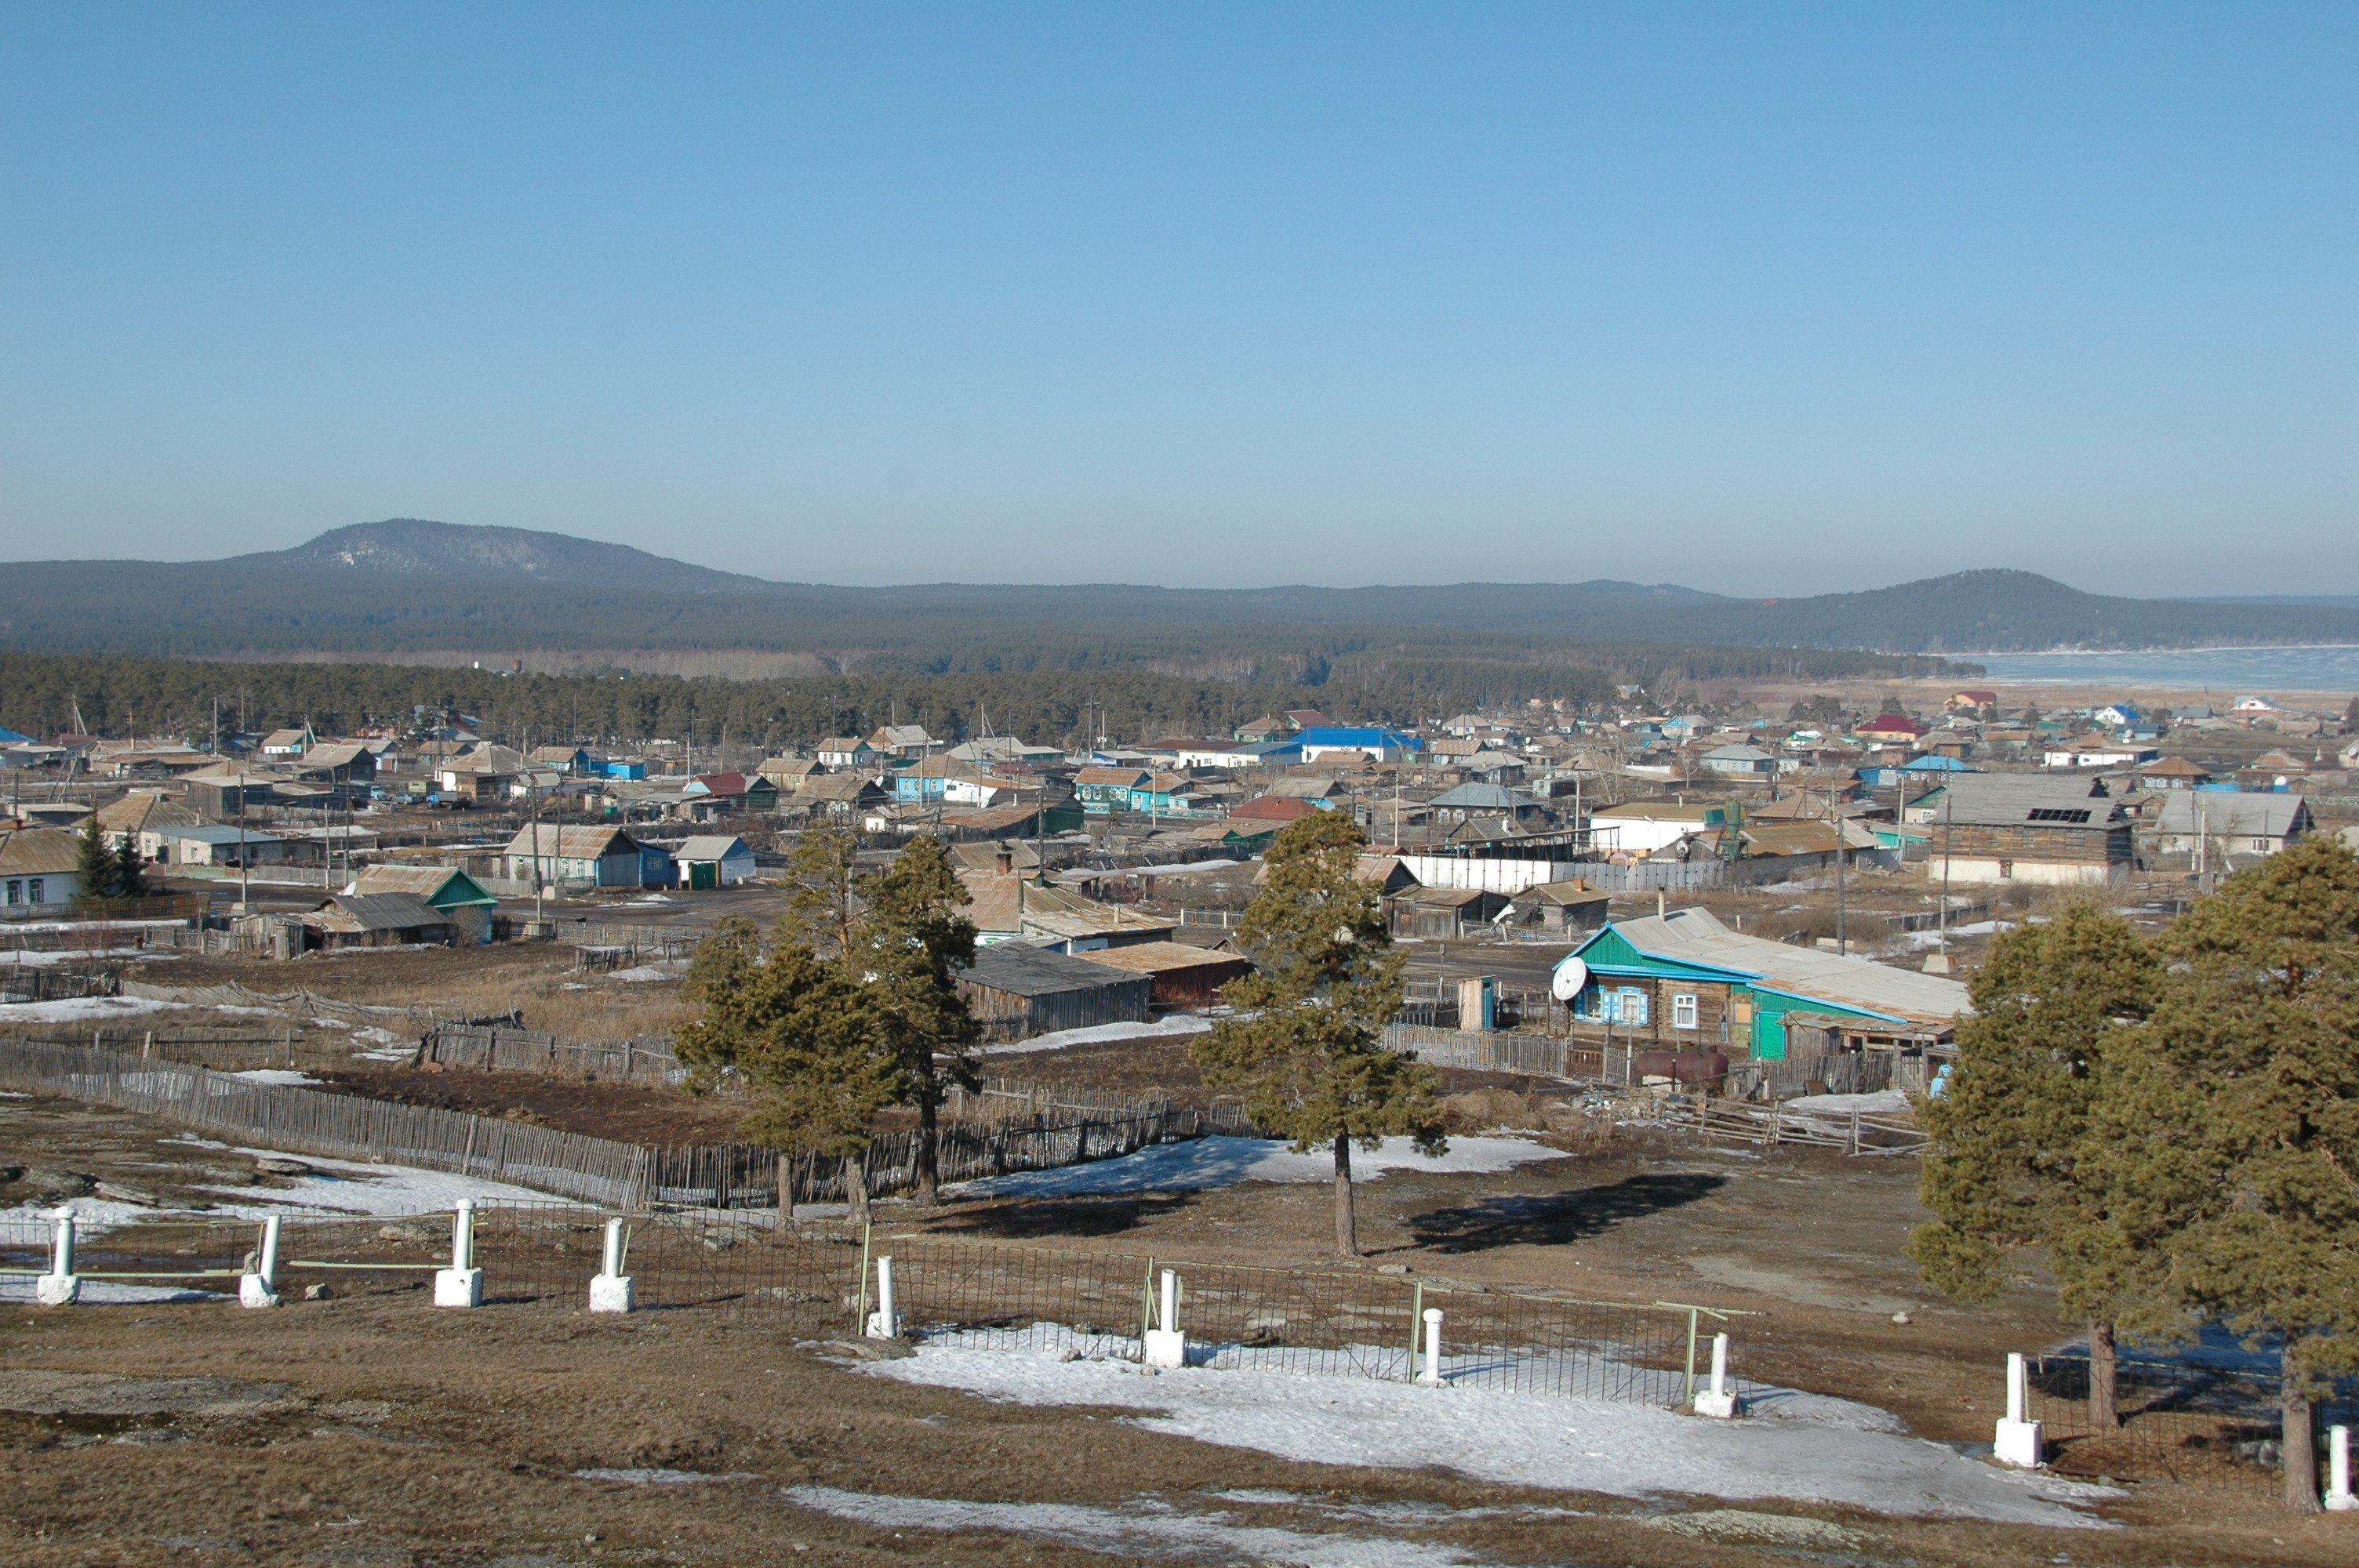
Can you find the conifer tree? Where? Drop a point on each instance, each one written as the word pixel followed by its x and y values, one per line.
pixel 130 869
pixel 1306 1041
pixel 2243 1114
pixel 94 867
pixel 801 1032
pixel 906 945
pixel 2011 1163
pixel 821 888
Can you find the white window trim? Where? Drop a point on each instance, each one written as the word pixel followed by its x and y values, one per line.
pixel 1686 1011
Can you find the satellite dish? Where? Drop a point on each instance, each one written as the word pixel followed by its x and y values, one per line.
pixel 1570 976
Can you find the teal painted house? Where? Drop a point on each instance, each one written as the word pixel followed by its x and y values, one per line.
pixel 1684 981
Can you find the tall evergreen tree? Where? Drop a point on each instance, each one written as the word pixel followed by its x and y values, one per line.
pixel 805 1037
pixel 94 865
pixel 130 868
pixel 2011 1163
pixel 907 945
pixel 822 886
pixel 1306 1039
pixel 2242 1113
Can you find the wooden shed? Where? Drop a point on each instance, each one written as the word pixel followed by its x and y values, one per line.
pixel 1182 976
pixel 1018 991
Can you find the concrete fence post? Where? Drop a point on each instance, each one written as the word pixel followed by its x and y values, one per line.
pixel 1165 1344
pixel 2339 1495
pixel 260 1287
pixel 884 1322
pixel 1718 1400
pixel 2017 1439
pixel 461 1284
pixel 1431 1375
pixel 60 1286
pixel 612 1291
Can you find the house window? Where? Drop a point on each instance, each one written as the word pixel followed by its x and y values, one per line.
pixel 35 892
pixel 2262 844
pixel 16 892
pixel 1683 1011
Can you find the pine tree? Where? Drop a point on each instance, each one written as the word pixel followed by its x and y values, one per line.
pixel 804 1036
pixel 1306 1041
pixel 95 866
pixel 2248 1093
pixel 130 869
pixel 822 885
pixel 2012 1164
pixel 906 946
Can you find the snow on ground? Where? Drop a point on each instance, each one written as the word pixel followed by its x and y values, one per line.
pixel 288 1075
pixel 645 972
pixel 1223 1161
pixel 333 1188
pixel 113 1292
pixel 1147 1527
pixel 79 1008
pixel 1520 1439
pixel 1880 1100
pixel 29 960
pixel 1167 1028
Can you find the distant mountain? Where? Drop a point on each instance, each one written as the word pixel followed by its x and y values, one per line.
pixel 412 546
pixel 411 585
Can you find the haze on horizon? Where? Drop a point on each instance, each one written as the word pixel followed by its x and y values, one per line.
pixel 1766 303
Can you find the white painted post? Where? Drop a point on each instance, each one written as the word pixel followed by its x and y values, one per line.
pixel 1718 1401
pixel 612 1291
pixel 2339 1496
pixel 260 1289
pixel 2017 1441
pixel 1431 1375
pixel 1165 1346
pixel 461 1284
pixel 883 1323
pixel 60 1286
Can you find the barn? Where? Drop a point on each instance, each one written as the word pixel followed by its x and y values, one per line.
pixel 1182 976
pixel 1017 991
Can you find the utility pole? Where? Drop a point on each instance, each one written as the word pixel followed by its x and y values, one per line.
pixel 1842 937
pixel 1948 802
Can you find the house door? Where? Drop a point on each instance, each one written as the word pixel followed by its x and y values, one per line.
pixel 1769 1032
pixel 704 873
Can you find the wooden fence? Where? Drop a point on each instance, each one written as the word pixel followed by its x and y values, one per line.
pixel 497 1048
pixel 739 1175
pixel 30 982
pixel 311 1122
pixel 1494 1051
pixel 1854 1133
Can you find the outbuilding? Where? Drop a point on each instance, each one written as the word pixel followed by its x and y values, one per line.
pixel 713 860
pixel 1018 991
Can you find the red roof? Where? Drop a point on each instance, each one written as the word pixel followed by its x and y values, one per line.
pixel 724 783
pixel 1275 807
pixel 1894 724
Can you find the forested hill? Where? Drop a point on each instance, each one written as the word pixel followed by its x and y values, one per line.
pixel 407 586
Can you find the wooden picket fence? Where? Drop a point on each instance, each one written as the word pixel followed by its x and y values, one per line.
pixel 312 1121
pixel 499 1048
pixel 1731 1121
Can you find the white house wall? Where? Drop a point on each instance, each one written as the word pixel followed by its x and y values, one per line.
pixel 1499 876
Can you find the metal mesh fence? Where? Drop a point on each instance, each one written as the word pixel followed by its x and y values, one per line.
pixel 1310 1322
pixel 2210 1409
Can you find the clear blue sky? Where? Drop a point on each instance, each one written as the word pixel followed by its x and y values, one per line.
pixel 1761 298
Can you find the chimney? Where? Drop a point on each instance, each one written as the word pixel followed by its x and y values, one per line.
pixel 1658 904
pixel 1007 859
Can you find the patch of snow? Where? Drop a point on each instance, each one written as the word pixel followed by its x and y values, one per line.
pixel 71 1009
pixel 29 960
pixel 661 1478
pixel 1880 1100
pixel 1166 1029
pixel 1225 1161
pixel 1521 1439
pixel 645 972
pixel 115 1292
pixel 1147 1528
pixel 274 1076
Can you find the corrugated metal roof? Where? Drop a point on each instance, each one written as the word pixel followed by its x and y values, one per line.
pixel 1694 936
pixel 1019 970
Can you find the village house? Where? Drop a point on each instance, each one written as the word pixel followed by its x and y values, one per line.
pixel 1178 974
pixel 457 897
pixel 846 751
pixel 2014 827
pixel 378 920
pixel 1684 980
pixel 840 796
pixel 1741 762
pixel 282 744
pixel 219 844
pixel 1643 827
pixel 713 860
pixel 2234 828
pixel 593 857
pixel 38 874
pixel 139 820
